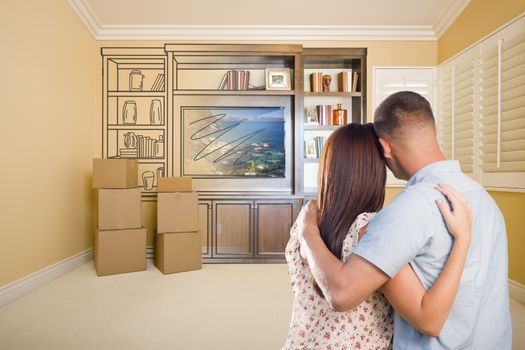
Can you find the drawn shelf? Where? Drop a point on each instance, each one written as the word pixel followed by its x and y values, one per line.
pixel 136 127
pixel 135 109
pixel 235 92
pixel 332 94
pixel 320 127
pixel 136 94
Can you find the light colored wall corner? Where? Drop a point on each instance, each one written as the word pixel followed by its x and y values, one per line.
pixel 517 291
pixel 512 206
pixel 48 107
pixel 26 284
pixel 478 19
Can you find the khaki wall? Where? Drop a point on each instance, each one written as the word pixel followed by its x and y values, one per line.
pixel 48 89
pixel 512 206
pixel 480 18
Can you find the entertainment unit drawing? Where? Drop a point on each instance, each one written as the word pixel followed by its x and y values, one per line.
pixel 202 110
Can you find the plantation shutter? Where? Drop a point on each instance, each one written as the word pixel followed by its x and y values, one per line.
pixel 502 108
pixel 463 113
pixel 455 115
pixel 444 110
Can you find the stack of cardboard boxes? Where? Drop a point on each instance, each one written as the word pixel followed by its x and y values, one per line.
pixel 120 239
pixel 178 240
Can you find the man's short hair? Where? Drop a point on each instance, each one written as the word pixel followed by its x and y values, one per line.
pixel 402 110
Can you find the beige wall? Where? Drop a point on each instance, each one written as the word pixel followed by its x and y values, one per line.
pixel 480 18
pixel 49 69
pixel 52 101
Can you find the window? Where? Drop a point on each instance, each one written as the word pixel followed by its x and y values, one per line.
pixel 481 109
pixel 389 80
pixel 502 107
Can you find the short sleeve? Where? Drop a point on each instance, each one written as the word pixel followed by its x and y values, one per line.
pixel 398 233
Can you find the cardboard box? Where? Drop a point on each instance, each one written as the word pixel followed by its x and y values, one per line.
pixel 115 173
pixel 119 251
pixel 119 208
pixel 177 212
pixel 178 252
pixel 174 184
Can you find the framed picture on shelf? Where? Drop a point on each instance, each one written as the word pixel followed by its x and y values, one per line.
pixel 310 116
pixel 310 149
pixel 277 79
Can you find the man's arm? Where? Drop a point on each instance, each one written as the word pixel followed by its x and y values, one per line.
pixel 345 285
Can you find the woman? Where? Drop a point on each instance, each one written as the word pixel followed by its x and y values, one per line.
pixel 352 177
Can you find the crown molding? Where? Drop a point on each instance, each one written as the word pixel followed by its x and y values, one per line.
pixel 86 15
pixel 451 13
pixel 246 32
pixel 264 32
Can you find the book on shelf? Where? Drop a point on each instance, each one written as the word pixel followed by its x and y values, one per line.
pixel 235 80
pixel 128 153
pixel 344 81
pixel 158 84
pixel 316 82
pixel 355 80
pixel 223 82
pixel 324 114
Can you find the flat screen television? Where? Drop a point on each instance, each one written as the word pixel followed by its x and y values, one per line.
pixel 233 142
pixel 238 146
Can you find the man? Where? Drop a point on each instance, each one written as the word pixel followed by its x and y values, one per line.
pixel 411 230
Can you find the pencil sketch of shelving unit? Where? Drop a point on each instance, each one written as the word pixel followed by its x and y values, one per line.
pixel 134 109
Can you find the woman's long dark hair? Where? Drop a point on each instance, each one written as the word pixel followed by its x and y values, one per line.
pixel 352 178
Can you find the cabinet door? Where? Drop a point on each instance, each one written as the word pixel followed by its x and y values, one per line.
pixel 233 229
pixel 274 220
pixel 205 227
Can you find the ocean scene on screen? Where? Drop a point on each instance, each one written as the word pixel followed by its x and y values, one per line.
pixel 233 142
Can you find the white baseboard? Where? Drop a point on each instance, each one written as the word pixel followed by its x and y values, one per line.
pixel 517 291
pixel 24 285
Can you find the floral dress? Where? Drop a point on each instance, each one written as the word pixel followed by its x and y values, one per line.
pixel 315 325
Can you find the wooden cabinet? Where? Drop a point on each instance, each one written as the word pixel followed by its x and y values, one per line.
pixel 254 230
pixel 273 222
pixel 205 211
pixel 233 221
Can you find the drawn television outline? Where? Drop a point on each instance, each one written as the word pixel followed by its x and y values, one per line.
pixel 234 150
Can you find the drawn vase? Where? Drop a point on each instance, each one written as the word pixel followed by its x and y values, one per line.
pixel 148 180
pixel 155 113
pixel 130 140
pixel 129 113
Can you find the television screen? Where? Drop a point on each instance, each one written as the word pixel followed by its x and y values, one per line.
pixel 233 141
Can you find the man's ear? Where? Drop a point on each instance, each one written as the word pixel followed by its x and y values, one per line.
pixel 387 150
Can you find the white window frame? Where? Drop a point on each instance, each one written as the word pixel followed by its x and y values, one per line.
pixel 392 181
